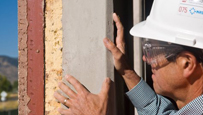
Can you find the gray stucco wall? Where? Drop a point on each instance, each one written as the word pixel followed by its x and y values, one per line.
pixel 85 24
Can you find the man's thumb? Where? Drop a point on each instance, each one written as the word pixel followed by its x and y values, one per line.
pixel 105 87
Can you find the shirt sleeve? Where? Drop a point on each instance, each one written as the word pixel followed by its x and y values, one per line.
pixel 147 102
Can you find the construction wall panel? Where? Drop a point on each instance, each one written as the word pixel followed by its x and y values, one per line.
pixel 85 24
pixel 31 56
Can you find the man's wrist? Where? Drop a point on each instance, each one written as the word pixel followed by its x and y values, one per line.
pixel 131 78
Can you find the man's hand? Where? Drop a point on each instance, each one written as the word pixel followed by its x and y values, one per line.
pixel 118 52
pixel 83 102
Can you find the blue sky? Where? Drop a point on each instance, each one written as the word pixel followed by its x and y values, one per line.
pixel 8 28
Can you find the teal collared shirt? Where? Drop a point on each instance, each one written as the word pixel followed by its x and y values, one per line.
pixel 147 102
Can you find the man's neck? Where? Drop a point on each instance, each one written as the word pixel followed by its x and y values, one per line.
pixel 190 93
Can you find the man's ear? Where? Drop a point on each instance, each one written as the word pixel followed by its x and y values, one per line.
pixel 188 62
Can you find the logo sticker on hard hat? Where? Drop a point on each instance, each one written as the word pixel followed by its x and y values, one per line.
pixel 194 11
pixel 192 8
pixel 184 0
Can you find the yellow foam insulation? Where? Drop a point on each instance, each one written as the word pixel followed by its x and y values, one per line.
pixel 53 53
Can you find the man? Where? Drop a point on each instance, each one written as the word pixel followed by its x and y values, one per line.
pixel 177 69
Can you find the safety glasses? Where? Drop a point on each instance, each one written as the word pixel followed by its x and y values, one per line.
pixel 158 54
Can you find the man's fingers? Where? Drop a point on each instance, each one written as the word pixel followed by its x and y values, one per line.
pixel 63 111
pixel 75 83
pixel 65 101
pixel 112 48
pixel 68 91
pixel 144 58
pixel 105 87
pixel 120 33
pixel 119 26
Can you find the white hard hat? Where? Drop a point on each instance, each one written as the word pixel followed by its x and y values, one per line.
pixel 174 21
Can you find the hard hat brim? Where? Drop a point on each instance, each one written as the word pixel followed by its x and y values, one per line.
pixel 143 31
pixel 155 31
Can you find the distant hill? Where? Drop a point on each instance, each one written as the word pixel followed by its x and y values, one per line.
pixel 9 67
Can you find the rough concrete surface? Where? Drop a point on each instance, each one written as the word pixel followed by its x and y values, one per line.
pixel 22 65
pixel 53 53
pixel 85 24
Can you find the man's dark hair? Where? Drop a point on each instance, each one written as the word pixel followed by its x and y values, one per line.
pixel 198 53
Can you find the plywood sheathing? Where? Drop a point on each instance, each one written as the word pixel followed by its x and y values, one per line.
pixel 53 53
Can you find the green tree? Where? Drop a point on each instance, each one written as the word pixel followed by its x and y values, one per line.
pixel 15 85
pixel 5 85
